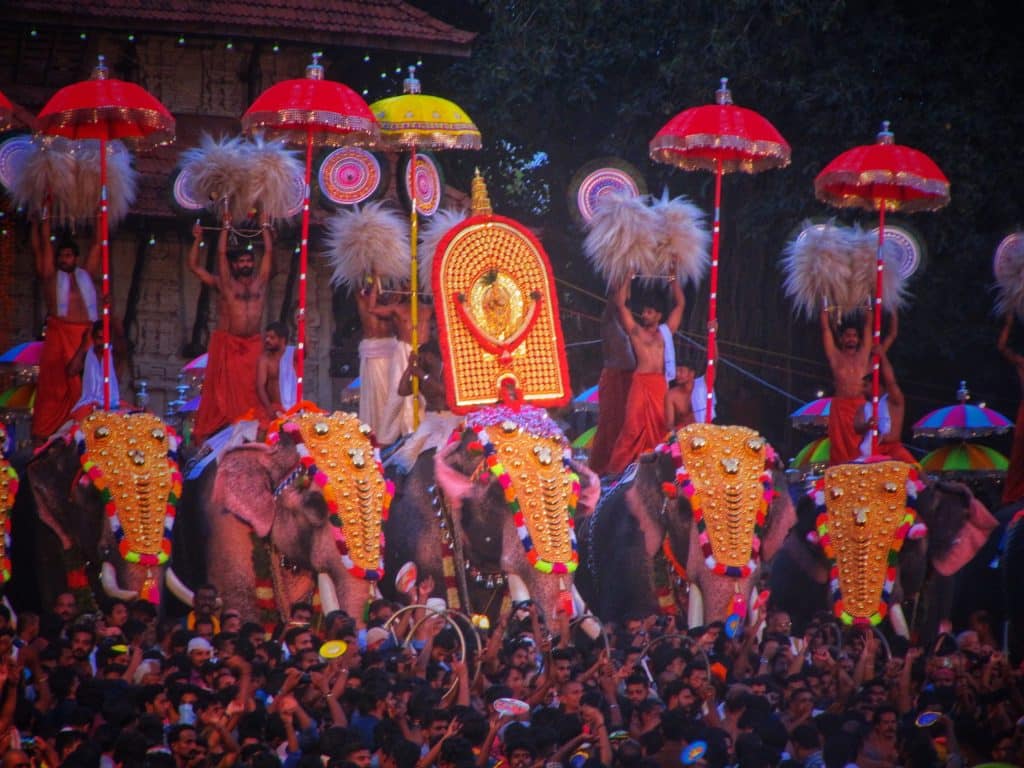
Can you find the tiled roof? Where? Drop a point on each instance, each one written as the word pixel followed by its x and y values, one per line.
pixel 378 23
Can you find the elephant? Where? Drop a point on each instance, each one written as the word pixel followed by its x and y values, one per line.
pixel 484 528
pixel 102 492
pixel 955 527
pixel 280 522
pixel 646 510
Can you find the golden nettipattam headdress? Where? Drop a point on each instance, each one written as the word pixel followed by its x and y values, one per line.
pixel 497 313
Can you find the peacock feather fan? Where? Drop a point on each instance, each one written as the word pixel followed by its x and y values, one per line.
pixel 622 238
pixel 683 242
pixel 373 239
pixel 440 224
pixel 1009 271
pixel 122 181
pixel 46 178
pixel 273 171
pixel 219 171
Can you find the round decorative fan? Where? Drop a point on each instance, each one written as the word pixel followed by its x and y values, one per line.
pixel 429 181
pixel 184 196
pixel 13 152
pixel 607 175
pixel 349 176
pixel 904 247
pixel 1009 249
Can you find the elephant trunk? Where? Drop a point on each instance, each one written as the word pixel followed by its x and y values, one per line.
pixel 108 578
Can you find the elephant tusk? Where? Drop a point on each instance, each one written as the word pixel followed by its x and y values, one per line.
pixel 177 588
pixel 898 620
pixel 588 624
pixel 517 590
pixel 695 614
pixel 328 594
pixel 108 578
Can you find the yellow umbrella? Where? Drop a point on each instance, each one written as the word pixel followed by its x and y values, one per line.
pixel 410 122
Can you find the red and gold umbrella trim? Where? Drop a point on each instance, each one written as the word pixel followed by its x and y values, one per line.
pixel 926 194
pixel 756 154
pixel 73 123
pixel 327 126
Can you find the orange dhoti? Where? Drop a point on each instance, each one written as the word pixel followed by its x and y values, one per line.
pixel 1013 489
pixel 896 452
pixel 643 425
pixel 56 392
pixel 229 385
pixel 612 392
pixel 843 438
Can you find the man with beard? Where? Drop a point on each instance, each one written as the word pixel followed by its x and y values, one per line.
pixel 275 372
pixel 229 385
pixel 88 365
pixel 644 423
pixel 72 307
pixel 848 353
pixel 183 744
pixel 83 642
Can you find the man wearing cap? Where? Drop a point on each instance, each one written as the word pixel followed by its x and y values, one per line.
pixel 376 639
pixel 199 652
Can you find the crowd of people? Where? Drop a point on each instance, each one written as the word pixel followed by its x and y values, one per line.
pixel 212 689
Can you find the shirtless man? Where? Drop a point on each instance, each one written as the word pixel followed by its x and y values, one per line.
pixel 275 372
pixel 375 353
pixel 1013 488
pixel 72 306
pixel 644 424
pixel 397 310
pixel 229 386
pixel 613 387
pixel 679 399
pixel 891 409
pixel 849 355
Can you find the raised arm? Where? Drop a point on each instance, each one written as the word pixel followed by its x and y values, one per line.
pixel 223 269
pixel 625 316
pixel 42 248
pixel 828 339
pixel 94 261
pixel 1003 343
pixel 193 257
pixel 675 315
pixel 890 336
pixel 267 263
pixel 76 364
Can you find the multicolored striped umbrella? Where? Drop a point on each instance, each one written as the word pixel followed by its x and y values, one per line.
pixel 961 422
pixel 966 459
pixel 814 456
pixel 197 364
pixel 585 439
pixel 27 353
pixel 587 398
pixel 813 415
pixel 20 398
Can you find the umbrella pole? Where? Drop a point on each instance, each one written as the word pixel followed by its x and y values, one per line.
pixel 414 304
pixel 105 251
pixel 300 342
pixel 877 335
pixel 709 373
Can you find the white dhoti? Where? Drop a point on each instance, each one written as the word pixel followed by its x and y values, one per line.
pixel 375 357
pixel 397 419
pixel 433 432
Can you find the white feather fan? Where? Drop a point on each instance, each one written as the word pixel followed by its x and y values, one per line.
pixel 439 225
pixel 47 178
pixel 622 239
pixel 1009 270
pixel 219 171
pixel 366 240
pixel 683 241
pixel 122 181
pixel 864 258
pixel 273 170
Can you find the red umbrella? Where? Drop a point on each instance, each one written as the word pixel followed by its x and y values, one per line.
pixel 310 111
pixel 884 176
pixel 722 138
pixel 104 108
pixel 6 112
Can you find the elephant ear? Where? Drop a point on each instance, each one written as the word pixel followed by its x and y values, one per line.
pixel 243 486
pixel 456 486
pixel 781 517
pixel 51 473
pixel 958 525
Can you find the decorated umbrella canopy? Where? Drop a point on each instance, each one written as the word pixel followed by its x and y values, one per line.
pixel 26 353
pixel 884 176
pixel 812 415
pixel 104 108
pixel 962 421
pixel 6 112
pixel 310 111
pixel 414 121
pixel 587 399
pixel 19 398
pixel 965 459
pixel 197 365
pixel 814 456
pixel 721 138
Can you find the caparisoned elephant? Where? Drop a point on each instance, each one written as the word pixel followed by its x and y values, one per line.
pixel 107 492
pixel 715 495
pixel 503 460
pixel 281 521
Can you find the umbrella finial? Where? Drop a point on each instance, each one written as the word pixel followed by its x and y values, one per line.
pixel 723 95
pixel 411 84
pixel 885 136
pixel 315 71
pixel 481 203
pixel 962 393
pixel 100 71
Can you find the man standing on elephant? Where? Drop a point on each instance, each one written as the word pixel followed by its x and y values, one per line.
pixel 848 354
pixel 618 363
pixel 644 423
pixel 229 386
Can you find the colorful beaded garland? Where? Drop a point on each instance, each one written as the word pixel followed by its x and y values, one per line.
pixel 914 485
pixel 10 480
pixel 91 469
